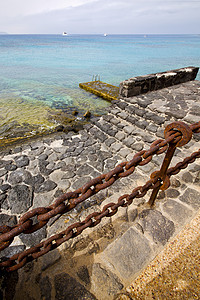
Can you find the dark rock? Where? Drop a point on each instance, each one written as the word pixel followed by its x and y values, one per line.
pixel 3 201
pixel 11 167
pixel 45 288
pixel 59 128
pixel 66 287
pixel 191 197
pixel 20 198
pixel 22 161
pixel 46 186
pixel 98 134
pixel 9 283
pixel 156 225
pixel 5 187
pixel 38 179
pixel 87 114
pixel 9 220
pixel 83 274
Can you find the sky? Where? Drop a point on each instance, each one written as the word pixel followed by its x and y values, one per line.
pixel 100 16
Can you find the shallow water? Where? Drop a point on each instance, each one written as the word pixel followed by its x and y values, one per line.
pixel 40 74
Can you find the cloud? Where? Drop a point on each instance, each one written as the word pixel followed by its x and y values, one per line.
pixel 97 16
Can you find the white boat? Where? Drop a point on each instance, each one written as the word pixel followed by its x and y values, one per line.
pixel 64 33
pixel 105 34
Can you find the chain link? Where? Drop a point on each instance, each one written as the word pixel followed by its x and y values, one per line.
pixel 69 200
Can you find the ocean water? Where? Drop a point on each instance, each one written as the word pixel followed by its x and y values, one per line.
pixel 40 74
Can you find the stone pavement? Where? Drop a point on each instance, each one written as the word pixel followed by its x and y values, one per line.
pixel 104 259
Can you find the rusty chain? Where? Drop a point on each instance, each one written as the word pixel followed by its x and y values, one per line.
pixel 177 133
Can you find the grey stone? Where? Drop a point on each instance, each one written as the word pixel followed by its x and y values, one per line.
pixel 156 225
pixel 3 201
pixel 21 161
pixel 129 129
pixel 132 214
pixel 116 147
pixel 84 170
pixel 80 182
pixel 9 220
pixel 5 187
pixel 129 253
pixel 109 141
pixel 67 287
pixel 172 193
pixel 19 176
pixel 177 212
pixel 12 250
pixel 46 186
pixel 137 146
pixel 122 115
pixel 187 177
pixel 3 172
pixel 50 259
pixel 124 152
pixel 129 141
pixel 34 238
pixel 140 112
pixel 98 134
pixel 20 198
pixel 38 179
pixel 191 197
pixel 104 282
pixel 10 167
pixel 42 156
pixel 142 124
pixel 152 128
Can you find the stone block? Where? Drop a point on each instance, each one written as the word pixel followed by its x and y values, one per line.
pixel 104 283
pixel 177 212
pixel 128 254
pixel 191 197
pixel 155 225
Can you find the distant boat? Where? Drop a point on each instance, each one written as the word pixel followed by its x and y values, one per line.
pixel 105 34
pixel 65 33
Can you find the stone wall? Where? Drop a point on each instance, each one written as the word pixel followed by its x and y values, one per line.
pixel 143 84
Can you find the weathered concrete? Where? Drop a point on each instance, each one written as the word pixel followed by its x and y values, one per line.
pixel 143 84
pixel 53 165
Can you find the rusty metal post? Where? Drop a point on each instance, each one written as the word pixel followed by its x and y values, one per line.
pixel 186 133
pixel 163 172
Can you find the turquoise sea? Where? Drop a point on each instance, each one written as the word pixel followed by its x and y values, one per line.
pixel 40 74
